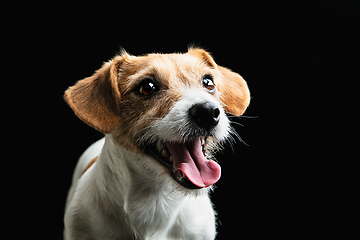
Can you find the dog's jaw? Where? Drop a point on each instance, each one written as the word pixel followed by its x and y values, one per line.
pixel 191 163
pixel 180 146
pixel 160 152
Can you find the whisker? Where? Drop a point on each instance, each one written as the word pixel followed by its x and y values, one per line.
pixel 143 129
pixel 232 122
pixel 242 116
pixel 146 137
pixel 232 131
pixel 231 142
pixel 148 118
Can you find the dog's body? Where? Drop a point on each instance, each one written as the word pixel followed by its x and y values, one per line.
pixel 104 207
pixel 149 178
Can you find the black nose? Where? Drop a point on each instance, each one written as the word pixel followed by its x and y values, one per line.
pixel 205 115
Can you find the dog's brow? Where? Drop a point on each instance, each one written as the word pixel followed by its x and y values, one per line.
pixel 132 81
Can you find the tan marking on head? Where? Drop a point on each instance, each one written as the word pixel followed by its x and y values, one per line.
pixel 110 100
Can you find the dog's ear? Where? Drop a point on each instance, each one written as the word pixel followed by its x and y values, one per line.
pixel 203 55
pixel 235 94
pixel 234 91
pixel 95 99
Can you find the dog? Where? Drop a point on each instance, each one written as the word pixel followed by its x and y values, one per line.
pixel 164 117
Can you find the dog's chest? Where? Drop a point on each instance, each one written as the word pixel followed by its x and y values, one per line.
pixel 152 213
pixel 168 217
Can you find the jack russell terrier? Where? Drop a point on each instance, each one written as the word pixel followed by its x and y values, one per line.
pixel 163 116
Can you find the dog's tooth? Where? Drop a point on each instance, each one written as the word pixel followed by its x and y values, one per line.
pixel 159 146
pixel 180 174
pixel 165 154
pixel 204 151
pixel 171 159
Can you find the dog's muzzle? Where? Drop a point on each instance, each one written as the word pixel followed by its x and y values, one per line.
pixel 186 159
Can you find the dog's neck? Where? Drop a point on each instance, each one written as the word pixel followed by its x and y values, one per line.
pixel 111 172
pixel 125 182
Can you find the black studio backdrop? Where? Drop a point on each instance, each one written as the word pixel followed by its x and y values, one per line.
pixel 276 48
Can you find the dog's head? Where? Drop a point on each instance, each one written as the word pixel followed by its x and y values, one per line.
pixel 168 106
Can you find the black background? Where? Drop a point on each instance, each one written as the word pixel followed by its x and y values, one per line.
pixel 289 55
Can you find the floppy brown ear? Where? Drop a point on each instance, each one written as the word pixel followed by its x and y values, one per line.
pixel 234 91
pixel 95 99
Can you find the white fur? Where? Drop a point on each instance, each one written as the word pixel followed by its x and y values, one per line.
pixel 123 197
pixel 175 125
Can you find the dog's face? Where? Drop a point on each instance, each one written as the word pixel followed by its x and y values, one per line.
pixel 168 106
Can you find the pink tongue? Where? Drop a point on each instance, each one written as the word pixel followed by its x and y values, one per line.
pixel 190 159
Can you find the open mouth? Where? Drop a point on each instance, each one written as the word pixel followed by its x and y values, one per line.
pixel 187 162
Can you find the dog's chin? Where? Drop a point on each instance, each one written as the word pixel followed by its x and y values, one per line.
pixel 162 155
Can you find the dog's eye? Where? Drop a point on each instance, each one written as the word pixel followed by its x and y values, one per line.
pixel 208 82
pixel 148 87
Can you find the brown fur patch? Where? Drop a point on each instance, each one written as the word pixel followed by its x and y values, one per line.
pixel 90 164
pixel 95 99
pixel 235 94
